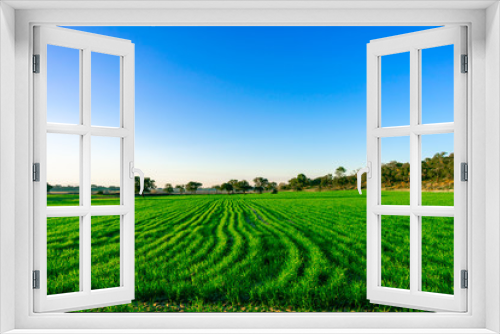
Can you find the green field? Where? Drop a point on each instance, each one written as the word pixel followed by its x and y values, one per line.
pixel 292 251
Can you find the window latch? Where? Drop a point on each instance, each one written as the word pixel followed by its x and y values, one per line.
pixel 368 171
pixel 141 176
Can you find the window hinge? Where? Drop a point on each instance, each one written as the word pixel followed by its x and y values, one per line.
pixel 465 64
pixel 36 172
pixel 464 171
pixel 465 279
pixel 36 279
pixel 36 63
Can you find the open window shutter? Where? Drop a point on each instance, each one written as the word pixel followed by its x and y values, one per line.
pixel 84 294
pixel 415 296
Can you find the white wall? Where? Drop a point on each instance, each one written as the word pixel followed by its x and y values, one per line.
pixel 7 160
pixel 492 163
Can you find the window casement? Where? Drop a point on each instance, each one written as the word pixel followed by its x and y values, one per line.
pixel 467 312
pixel 86 45
pixel 415 44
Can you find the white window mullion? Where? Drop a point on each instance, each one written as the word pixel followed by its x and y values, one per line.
pixel 373 244
pixel 85 234
pixel 127 103
pixel 414 172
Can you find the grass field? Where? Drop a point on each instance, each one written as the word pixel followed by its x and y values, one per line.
pixel 301 252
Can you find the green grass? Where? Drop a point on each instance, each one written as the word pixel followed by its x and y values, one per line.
pixel 303 252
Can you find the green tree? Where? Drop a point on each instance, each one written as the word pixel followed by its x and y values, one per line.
pixel 270 186
pixel 181 188
pixel 227 187
pixel 302 180
pixel 283 186
pixel 192 186
pixel 243 186
pixel 340 178
pixel 168 188
pixel 326 181
pixel 260 183
pixel 233 183
pixel 148 185
pixel 217 188
pixel 294 184
pixel 49 187
pixel 340 172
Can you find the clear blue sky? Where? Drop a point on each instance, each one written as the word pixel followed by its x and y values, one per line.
pixel 217 103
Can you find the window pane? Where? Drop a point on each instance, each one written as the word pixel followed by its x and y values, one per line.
pixel 437 84
pixel 105 90
pixel 63 255
pixel 437 254
pixel 63 169
pixel 395 89
pixel 438 169
pixel 63 85
pixel 395 170
pixel 105 170
pixel 396 252
pixel 105 252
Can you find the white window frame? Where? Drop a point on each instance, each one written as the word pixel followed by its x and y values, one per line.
pixel 483 21
pixel 414 43
pixel 86 44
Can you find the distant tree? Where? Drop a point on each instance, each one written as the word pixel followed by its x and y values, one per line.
pixel 192 186
pixel 233 183
pixel 227 187
pixel 243 186
pixel 302 180
pixel 148 185
pixel 217 188
pixel 168 188
pixel 260 183
pixel 298 183
pixel 340 178
pixel 295 184
pixel 270 186
pixel 49 187
pixel 181 188
pixel 340 172
pixel 326 181
pixel 283 186
pixel 395 174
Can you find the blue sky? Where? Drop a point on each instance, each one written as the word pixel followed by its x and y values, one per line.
pixel 217 103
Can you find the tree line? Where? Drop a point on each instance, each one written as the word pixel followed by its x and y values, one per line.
pixel 437 173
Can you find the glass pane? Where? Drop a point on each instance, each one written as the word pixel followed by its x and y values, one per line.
pixel 63 255
pixel 105 252
pixel 437 84
pixel 396 252
pixel 437 254
pixel 105 90
pixel 395 170
pixel 437 169
pixel 105 170
pixel 63 169
pixel 395 89
pixel 63 85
